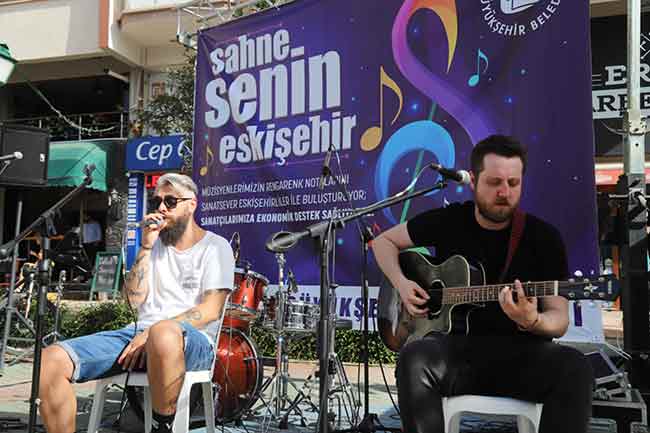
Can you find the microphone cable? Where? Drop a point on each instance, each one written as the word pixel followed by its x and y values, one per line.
pixel 134 314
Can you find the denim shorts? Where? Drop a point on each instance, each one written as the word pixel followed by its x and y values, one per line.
pixel 95 356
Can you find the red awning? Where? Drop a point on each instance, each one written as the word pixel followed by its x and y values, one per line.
pixel 609 176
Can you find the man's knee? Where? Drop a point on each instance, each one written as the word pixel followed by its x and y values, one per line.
pixel 165 338
pixel 55 362
pixel 574 367
pixel 417 361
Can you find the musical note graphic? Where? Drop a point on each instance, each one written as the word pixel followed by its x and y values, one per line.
pixel 474 79
pixel 454 101
pixel 209 159
pixel 372 136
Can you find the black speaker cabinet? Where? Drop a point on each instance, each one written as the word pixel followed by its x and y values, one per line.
pixel 34 144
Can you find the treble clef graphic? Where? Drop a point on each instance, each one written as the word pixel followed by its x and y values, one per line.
pixel 427 136
pixel 476 124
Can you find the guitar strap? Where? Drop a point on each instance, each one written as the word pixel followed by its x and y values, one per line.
pixel 518 223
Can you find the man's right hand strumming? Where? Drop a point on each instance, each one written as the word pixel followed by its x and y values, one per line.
pixel 413 297
pixel 386 248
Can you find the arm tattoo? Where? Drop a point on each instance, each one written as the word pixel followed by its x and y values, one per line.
pixel 139 259
pixel 141 272
pixel 135 285
pixel 135 292
pixel 193 314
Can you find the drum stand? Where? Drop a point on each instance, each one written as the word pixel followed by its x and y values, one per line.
pixel 55 336
pixel 8 304
pixel 279 381
pixel 338 383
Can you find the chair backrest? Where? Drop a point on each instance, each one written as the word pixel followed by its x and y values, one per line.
pixel 216 337
pixel 453 406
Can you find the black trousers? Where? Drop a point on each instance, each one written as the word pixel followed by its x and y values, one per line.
pixel 524 368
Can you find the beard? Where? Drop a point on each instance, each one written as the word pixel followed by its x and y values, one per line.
pixel 498 213
pixel 173 232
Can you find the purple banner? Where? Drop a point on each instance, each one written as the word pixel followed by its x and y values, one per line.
pixel 392 86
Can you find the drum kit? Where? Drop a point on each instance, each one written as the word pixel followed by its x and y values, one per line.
pixel 239 370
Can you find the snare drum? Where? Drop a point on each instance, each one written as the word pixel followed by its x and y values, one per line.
pixel 298 316
pixel 246 295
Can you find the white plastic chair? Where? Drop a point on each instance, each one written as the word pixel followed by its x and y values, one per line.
pixel 528 413
pixel 182 419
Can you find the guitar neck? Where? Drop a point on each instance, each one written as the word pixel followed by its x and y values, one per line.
pixel 488 293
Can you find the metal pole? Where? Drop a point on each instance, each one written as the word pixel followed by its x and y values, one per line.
pixel 41 306
pixel 324 332
pixel 12 286
pixel 632 185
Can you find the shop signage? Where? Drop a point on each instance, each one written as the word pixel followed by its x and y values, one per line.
pixel 135 212
pixel 609 80
pixel 155 153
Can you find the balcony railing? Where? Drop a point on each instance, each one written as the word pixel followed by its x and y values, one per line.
pixel 154 4
pixel 114 124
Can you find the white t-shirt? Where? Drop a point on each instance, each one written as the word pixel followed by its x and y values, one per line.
pixel 177 279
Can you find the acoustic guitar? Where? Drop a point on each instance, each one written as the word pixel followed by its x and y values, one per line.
pixel 456 287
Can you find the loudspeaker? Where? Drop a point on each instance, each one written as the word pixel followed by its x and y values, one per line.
pixel 34 144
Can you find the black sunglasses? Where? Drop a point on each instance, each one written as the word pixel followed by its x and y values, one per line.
pixel 169 200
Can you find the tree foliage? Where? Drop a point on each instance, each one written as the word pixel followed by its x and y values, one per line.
pixel 172 111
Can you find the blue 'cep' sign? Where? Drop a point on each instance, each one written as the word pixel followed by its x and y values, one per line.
pixel 155 153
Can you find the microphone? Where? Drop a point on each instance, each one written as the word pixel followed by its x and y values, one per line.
pixel 11 156
pixel 460 176
pixel 6 249
pixel 143 223
pixel 282 241
pixel 326 168
pixel 293 285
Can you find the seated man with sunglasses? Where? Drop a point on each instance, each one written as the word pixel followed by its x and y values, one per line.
pixel 179 283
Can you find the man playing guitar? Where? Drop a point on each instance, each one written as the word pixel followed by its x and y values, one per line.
pixel 505 348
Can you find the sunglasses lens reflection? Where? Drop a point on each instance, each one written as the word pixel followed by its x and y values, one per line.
pixel 169 200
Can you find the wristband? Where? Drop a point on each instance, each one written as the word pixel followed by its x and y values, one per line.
pixel 145 248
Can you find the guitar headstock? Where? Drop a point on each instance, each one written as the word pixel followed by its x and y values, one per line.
pixel 599 288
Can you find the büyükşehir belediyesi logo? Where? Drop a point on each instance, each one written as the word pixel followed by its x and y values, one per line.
pixel 513 6
pixel 505 17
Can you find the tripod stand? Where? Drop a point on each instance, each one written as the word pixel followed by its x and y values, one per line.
pixel 55 336
pixel 9 303
pixel 335 373
pixel 42 223
pixel 324 231
pixel 279 381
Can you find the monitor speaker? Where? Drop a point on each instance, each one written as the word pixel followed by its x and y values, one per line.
pixel 34 144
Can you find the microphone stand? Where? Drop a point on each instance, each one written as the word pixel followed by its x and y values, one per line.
pixel 5 164
pixel 323 231
pixel 42 223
